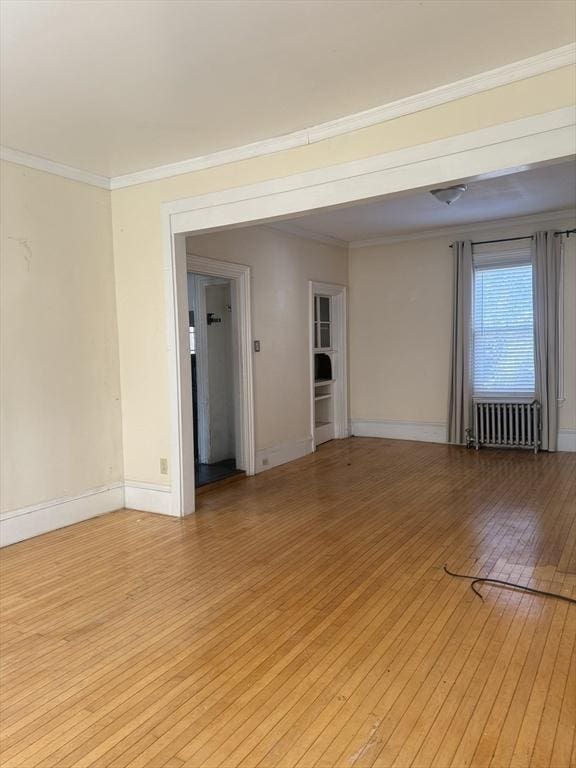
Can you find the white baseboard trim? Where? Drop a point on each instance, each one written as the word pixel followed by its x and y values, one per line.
pixel 148 497
pixel 26 522
pixel 282 454
pixel 423 431
pixel 567 440
pixel 431 432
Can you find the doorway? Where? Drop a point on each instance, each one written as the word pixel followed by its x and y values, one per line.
pixel 221 438
pixel 214 400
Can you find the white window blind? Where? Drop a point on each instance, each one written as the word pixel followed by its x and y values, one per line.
pixel 503 330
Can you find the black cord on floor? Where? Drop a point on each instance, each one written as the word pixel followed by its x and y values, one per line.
pixel 478 579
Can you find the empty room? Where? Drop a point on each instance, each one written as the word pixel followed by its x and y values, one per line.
pixel 288 384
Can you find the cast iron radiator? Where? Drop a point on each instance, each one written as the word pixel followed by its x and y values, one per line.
pixel 506 424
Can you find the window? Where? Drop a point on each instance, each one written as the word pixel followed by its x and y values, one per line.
pixel 503 327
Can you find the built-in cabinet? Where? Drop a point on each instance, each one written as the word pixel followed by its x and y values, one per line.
pixel 324 369
pixel 328 362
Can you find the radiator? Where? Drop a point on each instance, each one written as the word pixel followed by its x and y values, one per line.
pixel 502 424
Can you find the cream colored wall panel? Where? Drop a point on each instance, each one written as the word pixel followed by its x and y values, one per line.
pixel 400 310
pixel 400 329
pixel 61 414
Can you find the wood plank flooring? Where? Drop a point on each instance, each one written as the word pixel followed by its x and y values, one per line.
pixel 302 618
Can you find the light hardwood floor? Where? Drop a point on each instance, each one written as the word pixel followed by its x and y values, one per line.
pixel 302 618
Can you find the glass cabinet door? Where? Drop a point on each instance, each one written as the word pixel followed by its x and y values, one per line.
pixel 322 322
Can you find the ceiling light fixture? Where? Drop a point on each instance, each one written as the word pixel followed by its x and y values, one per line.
pixel 450 194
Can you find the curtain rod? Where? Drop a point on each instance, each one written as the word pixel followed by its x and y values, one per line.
pixel 566 232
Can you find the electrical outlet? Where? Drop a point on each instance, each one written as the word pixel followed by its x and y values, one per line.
pixel 265 462
pixel 163 466
pixel 256 345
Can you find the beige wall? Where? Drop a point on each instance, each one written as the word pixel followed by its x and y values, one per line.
pixel 400 310
pixel 400 329
pixel 138 238
pixel 281 266
pixel 60 402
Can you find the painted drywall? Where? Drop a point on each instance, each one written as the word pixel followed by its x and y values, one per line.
pixel 281 265
pixel 138 252
pixel 400 329
pixel 220 373
pixel 60 387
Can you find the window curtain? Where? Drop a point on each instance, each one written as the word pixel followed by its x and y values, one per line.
pixel 460 407
pixel 546 257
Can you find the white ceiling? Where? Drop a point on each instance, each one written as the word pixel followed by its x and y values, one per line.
pixel 116 86
pixel 530 192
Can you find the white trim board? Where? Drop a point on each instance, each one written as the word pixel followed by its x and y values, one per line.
pixel 470 156
pixel 148 497
pixel 26 522
pixel 23 523
pixel 567 440
pixel 484 81
pixel 268 458
pixel 422 431
pixel 50 166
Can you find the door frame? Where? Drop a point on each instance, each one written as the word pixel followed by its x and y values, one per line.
pixel 495 150
pixel 339 330
pixel 212 272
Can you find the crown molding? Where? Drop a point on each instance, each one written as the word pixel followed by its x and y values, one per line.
pixel 306 234
pixel 510 73
pixel 224 157
pixel 49 166
pixel 484 81
pixel 493 226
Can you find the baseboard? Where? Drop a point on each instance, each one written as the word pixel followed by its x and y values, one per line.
pixel 422 431
pixel 147 497
pixel 567 440
pixel 282 454
pixel 23 523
